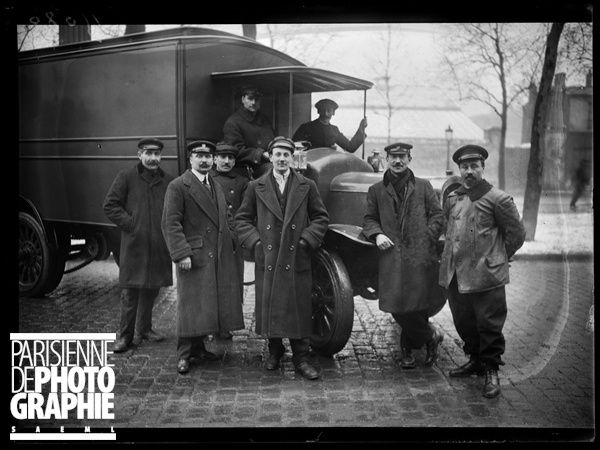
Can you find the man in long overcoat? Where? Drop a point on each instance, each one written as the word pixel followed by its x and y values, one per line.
pixel 484 231
pixel 134 203
pixel 234 185
pixel 250 131
pixel 282 218
pixel 198 227
pixel 405 220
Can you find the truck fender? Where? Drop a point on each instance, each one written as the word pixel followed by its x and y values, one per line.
pixel 350 232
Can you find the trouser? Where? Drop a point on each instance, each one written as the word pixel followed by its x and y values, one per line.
pixel 190 346
pixel 300 348
pixel 416 330
pixel 577 191
pixel 136 311
pixel 479 318
pixel 240 265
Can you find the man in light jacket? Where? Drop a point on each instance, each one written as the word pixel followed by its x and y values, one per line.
pixel 484 230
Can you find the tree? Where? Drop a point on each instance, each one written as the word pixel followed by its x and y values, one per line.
pixel 386 84
pixel 575 50
pixel 494 63
pixel 533 188
pixel 294 40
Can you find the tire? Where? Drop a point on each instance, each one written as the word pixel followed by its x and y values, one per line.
pixel 37 268
pixel 59 259
pixel 96 244
pixel 332 303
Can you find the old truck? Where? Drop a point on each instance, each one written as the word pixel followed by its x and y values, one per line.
pixel 84 106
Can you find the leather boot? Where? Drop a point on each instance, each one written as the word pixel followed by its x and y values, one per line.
pixel 272 362
pixel 121 345
pixel 491 387
pixel 407 361
pixel 472 367
pixel 432 346
pixel 307 370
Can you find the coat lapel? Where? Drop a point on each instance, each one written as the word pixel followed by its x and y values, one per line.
pixel 390 190
pixel 201 196
pixel 297 191
pixel 266 193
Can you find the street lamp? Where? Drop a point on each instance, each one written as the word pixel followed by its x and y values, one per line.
pixel 449 132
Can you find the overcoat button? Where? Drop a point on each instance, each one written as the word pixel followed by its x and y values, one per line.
pixel 232 191
pixel 268 227
pixel 291 248
pixel 293 226
pixel 287 267
pixel 210 255
pixel 269 267
pixel 208 229
pixel 269 247
pixel 230 206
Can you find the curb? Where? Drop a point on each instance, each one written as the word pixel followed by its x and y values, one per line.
pixel 563 257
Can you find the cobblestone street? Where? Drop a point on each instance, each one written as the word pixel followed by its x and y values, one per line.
pixel 547 381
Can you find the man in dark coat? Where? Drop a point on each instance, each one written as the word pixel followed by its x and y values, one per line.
pixel 282 219
pixel 581 178
pixel 250 131
pixel 321 133
pixel 234 185
pixel 197 226
pixel 134 203
pixel 484 230
pixel 405 220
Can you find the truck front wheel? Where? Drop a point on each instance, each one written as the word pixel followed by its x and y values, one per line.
pixel 332 303
pixel 38 270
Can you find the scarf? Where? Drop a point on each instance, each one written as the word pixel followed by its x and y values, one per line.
pixel 477 191
pixel 399 181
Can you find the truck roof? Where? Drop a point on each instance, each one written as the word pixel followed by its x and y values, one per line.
pixel 173 34
pixel 270 79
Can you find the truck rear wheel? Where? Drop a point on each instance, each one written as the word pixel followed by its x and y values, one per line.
pixel 332 303
pixel 39 264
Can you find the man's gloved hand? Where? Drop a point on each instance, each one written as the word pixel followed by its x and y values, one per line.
pixel 303 244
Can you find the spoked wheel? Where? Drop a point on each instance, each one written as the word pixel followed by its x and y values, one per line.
pixel 38 270
pixel 332 303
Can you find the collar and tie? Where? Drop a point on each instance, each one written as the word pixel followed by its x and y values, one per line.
pixel 203 178
pixel 281 180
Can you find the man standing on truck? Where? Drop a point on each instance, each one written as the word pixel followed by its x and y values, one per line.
pixel 134 203
pixel 405 220
pixel 234 185
pixel 250 131
pixel 321 133
pixel 484 230
pixel 198 228
pixel 282 219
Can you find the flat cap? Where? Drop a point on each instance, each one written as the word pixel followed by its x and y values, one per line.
pixel 326 103
pixel 223 148
pixel 398 148
pixel 469 152
pixel 150 144
pixel 282 142
pixel 201 146
pixel 250 90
